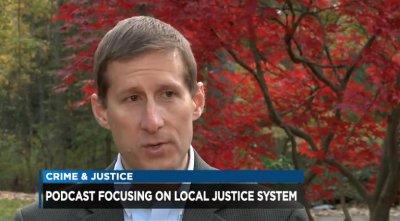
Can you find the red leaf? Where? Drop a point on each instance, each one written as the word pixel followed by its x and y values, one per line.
pixel 80 103
pixel 304 150
pixel 317 170
pixel 319 154
pixel 70 79
pixel 89 90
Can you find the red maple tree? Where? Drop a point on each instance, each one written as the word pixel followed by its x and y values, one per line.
pixel 325 72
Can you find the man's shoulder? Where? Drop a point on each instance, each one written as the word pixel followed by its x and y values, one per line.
pixel 256 187
pixel 287 211
pixel 264 214
pixel 32 212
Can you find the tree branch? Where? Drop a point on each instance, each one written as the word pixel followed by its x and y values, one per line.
pixel 307 104
pixel 306 61
pixel 326 48
pixel 274 115
pixel 309 176
pixel 288 39
pixel 241 63
pixel 359 56
pixel 291 131
pixel 315 12
pixel 333 7
pixel 352 179
pixel 358 122
pixel 294 148
pixel 319 75
pixel 304 135
pixel 289 3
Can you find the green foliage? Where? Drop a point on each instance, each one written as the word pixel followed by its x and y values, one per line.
pixel 8 208
pixel 282 163
pixel 38 129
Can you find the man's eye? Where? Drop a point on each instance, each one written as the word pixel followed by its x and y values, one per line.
pixel 169 94
pixel 133 98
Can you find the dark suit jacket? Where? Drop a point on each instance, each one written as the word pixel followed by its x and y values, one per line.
pixel 33 213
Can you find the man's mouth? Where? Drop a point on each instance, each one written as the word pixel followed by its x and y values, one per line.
pixel 154 145
pixel 155 149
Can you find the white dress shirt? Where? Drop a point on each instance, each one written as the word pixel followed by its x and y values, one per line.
pixel 154 214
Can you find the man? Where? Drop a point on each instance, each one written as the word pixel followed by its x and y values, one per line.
pixel 148 97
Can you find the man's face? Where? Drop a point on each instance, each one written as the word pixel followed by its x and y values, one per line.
pixel 150 111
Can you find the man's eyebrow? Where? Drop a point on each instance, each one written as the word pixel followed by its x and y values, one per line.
pixel 160 87
pixel 128 90
pixel 163 86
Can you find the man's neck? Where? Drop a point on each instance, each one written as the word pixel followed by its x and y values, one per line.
pixel 160 186
pixel 184 165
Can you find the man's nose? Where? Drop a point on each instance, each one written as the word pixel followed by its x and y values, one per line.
pixel 152 121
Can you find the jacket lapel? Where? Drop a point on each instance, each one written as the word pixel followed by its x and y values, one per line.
pixel 200 164
pixel 201 214
pixel 189 214
pixel 112 165
pixel 105 215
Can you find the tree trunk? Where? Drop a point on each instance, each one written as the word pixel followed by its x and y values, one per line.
pixel 344 207
pixel 387 186
pixel 307 206
pixel 380 213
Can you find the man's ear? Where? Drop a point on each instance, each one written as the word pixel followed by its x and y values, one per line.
pixel 199 101
pixel 99 111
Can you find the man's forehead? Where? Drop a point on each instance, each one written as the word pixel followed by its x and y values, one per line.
pixel 149 57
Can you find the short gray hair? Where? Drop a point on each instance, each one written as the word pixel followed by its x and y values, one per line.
pixel 134 36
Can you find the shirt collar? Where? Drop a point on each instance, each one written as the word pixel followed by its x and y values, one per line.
pixel 191 158
pixel 118 166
